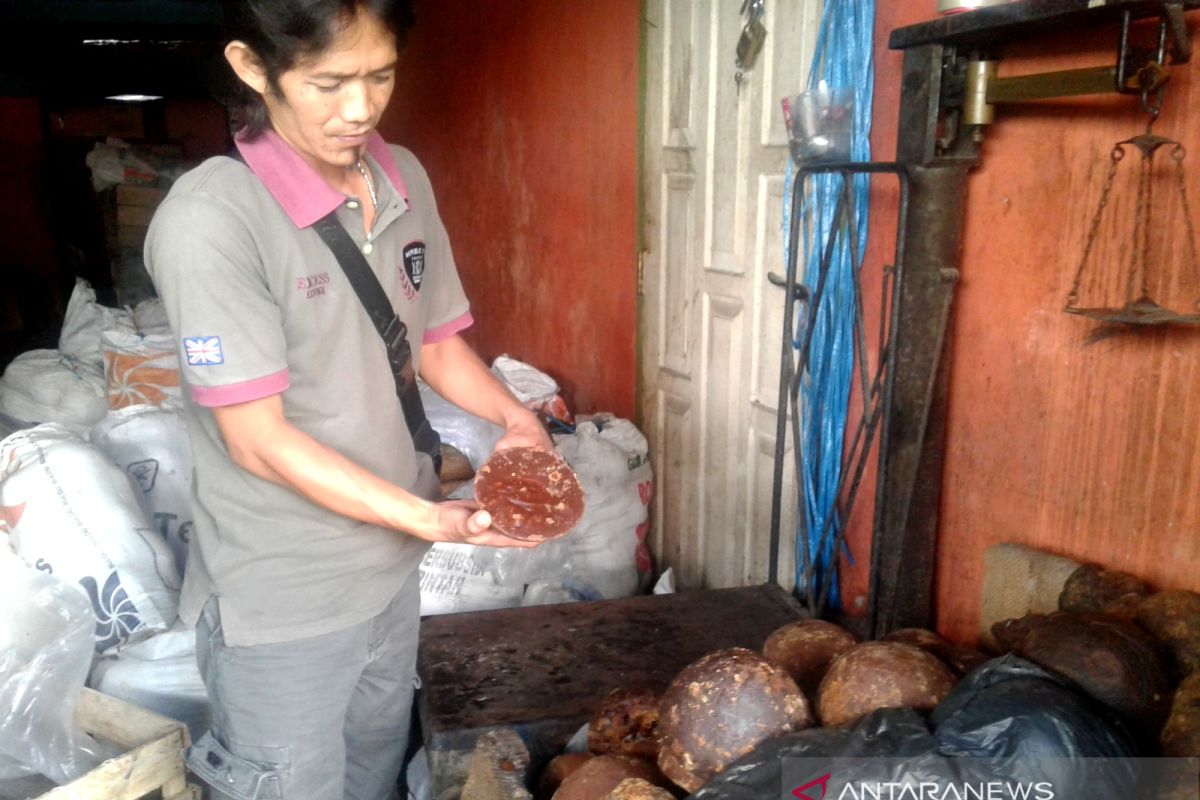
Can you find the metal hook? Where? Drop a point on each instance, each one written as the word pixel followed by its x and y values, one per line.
pixel 755 8
pixel 1152 108
pixel 1153 78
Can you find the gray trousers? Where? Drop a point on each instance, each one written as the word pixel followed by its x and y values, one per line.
pixel 322 718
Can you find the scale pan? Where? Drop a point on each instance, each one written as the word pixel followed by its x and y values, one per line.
pixel 1141 312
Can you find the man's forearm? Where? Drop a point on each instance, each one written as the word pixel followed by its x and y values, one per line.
pixel 261 441
pixel 453 370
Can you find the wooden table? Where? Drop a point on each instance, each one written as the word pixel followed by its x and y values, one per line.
pixel 542 670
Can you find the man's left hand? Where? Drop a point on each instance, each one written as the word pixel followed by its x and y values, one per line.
pixel 525 430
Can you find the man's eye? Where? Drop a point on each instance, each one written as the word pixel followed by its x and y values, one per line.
pixel 382 79
pixel 328 87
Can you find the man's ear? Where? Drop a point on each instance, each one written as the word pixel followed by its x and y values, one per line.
pixel 247 65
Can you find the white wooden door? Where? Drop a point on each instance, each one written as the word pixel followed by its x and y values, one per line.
pixel 711 322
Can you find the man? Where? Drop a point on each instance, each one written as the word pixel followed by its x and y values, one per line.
pixel 313 507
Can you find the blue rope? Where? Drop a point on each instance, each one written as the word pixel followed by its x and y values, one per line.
pixel 843 59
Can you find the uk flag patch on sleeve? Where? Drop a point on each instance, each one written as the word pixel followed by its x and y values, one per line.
pixel 203 351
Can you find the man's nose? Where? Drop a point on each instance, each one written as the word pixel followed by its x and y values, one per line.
pixel 356 103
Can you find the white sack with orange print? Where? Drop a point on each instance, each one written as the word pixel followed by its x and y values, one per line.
pixel 140 368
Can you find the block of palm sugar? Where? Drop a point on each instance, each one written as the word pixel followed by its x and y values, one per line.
pixel 531 494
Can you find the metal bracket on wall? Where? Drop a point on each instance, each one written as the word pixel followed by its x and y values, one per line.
pixel 1138 70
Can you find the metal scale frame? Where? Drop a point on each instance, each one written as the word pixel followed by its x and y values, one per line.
pixel 949 92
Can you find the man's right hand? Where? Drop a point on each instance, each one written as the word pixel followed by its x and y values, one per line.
pixel 464 522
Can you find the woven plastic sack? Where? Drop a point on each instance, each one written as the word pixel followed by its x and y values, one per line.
pixel 151 444
pixel 83 323
pixel 533 388
pixel 160 674
pixel 452 582
pixel 471 435
pixel 150 317
pixel 1019 580
pixel 140 368
pixel 72 512
pixel 47 386
pixel 608 546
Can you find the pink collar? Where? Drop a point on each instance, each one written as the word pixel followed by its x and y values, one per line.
pixel 304 194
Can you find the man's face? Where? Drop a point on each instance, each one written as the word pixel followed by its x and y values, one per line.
pixel 331 102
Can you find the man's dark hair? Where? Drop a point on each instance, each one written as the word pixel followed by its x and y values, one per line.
pixel 282 32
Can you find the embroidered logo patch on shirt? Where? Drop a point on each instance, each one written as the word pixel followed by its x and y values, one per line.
pixel 414 262
pixel 313 285
pixel 203 351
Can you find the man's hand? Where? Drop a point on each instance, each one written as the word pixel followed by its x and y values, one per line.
pixel 462 521
pixel 525 430
pixel 454 371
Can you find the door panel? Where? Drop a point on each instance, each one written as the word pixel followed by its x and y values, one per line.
pixel 714 176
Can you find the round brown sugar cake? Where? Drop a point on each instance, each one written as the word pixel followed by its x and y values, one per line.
pixel 531 494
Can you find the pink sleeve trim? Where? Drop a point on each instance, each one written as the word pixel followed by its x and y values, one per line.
pixel 244 392
pixel 443 332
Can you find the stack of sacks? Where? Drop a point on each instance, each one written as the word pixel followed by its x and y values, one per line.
pixel 106 358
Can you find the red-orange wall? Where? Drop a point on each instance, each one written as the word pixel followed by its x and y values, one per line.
pixel 1085 449
pixel 524 113
pixel 28 295
pixel 24 227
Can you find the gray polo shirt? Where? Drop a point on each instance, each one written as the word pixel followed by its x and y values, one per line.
pixel 261 307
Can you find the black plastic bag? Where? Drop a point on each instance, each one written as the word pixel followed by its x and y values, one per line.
pixel 1007 718
pixel 887 733
pixel 1012 708
pixel 1036 726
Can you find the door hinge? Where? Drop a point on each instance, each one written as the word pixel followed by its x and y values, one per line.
pixel 641 274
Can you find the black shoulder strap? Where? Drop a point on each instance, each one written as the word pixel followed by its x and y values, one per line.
pixel 390 327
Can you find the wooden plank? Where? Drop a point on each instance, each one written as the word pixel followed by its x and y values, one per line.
pixel 134 215
pixel 131 776
pixel 154 759
pixel 121 723
pixel 132 235
pixel 143 196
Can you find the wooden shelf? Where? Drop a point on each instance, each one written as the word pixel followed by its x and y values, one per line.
pixel 998 24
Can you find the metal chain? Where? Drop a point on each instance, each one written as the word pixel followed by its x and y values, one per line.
pixel 1152 100
pixel 1117 154
pixel 1177 155
pixel 1141 227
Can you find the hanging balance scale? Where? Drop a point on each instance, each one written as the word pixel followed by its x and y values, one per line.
pixel 1139 263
